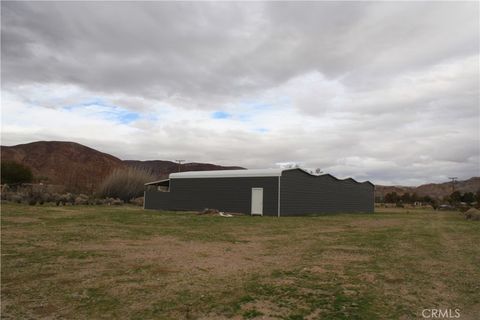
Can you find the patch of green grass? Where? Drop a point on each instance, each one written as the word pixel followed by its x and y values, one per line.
pixel 96 301
pixel 295 317
pixel 250 314
pixel 348 266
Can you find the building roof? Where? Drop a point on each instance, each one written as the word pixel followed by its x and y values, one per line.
pixel 158 182
pixel 245 174
pixel 227 173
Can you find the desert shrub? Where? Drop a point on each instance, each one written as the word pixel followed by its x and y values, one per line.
pixel 64 199
pixel 68 198
pixel 472 214
pixel 137 201
pixel 57 198
pixel 108 201
pixel 4 195
pixel 82 199
pixel 14 197
pixel 41 197
pixel 98 201
pixel 117 202
pixel 32 197
pixel 125 184
pixel 14 172
pixel 113 201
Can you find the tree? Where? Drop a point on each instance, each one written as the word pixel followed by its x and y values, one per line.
pixel 433 202
pixel 406 198
pixel 446 199
pixel 468 197
pixel 391 197
pixel 414 197
pixel 455 197
pixel 427 199
pixel 14 172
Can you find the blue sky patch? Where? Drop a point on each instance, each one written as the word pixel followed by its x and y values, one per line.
pixel 128 117
pixel 86 103
pixel 106 110
pixel 221 115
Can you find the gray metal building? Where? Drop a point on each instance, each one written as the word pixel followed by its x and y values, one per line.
pixel 269 192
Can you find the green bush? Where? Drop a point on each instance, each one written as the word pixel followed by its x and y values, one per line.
pixel 125 184
pixel 14 172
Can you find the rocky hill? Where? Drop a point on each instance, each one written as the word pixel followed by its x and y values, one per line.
pixel 436 190
pixel 162 169
pixel 80 168
pixel 71 164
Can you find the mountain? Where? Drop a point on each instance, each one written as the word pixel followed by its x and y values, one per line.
pixel 71 164
pixel 436 190
pixel 80 168
pixel 162 169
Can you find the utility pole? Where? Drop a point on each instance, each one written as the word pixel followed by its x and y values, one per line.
pixel 454 180
pixel 179 163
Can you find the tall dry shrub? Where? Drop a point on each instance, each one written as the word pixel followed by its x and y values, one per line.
pixel 125 184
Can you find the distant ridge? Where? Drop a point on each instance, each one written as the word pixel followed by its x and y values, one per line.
pixel 436 190
pixel 71 164
pixel 80 168
pixel 162 168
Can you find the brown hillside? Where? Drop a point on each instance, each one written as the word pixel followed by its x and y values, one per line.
pixel 73 165
pixel 80 168
pixel 162 169
pixel 437 190
pixel 443 189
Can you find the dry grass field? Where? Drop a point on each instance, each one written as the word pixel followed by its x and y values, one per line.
pixel 86 262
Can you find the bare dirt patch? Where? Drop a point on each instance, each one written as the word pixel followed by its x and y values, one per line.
pixel 318 269
pixel 20 219
pixel 368 277
pixel 376 223
pixel 268 309
pixel 342 257
pixel 172 254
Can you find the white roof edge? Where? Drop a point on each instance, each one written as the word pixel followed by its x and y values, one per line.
pixel 155 182
pixel 227 173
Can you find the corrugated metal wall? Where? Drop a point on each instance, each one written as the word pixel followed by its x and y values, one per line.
pixel 303 194
pixel 157 200
pixel 224 194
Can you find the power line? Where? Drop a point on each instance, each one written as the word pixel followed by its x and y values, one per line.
pixel 179 163
pixel 454 180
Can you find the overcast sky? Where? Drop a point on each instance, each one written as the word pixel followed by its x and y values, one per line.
pixel 382 91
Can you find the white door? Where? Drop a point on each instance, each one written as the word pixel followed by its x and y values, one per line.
pixel 257 201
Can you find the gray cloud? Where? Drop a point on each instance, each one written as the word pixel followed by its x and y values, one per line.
pixel 386 91
pixel 206 50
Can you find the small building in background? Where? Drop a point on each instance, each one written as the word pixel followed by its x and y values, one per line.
pixel 269 192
